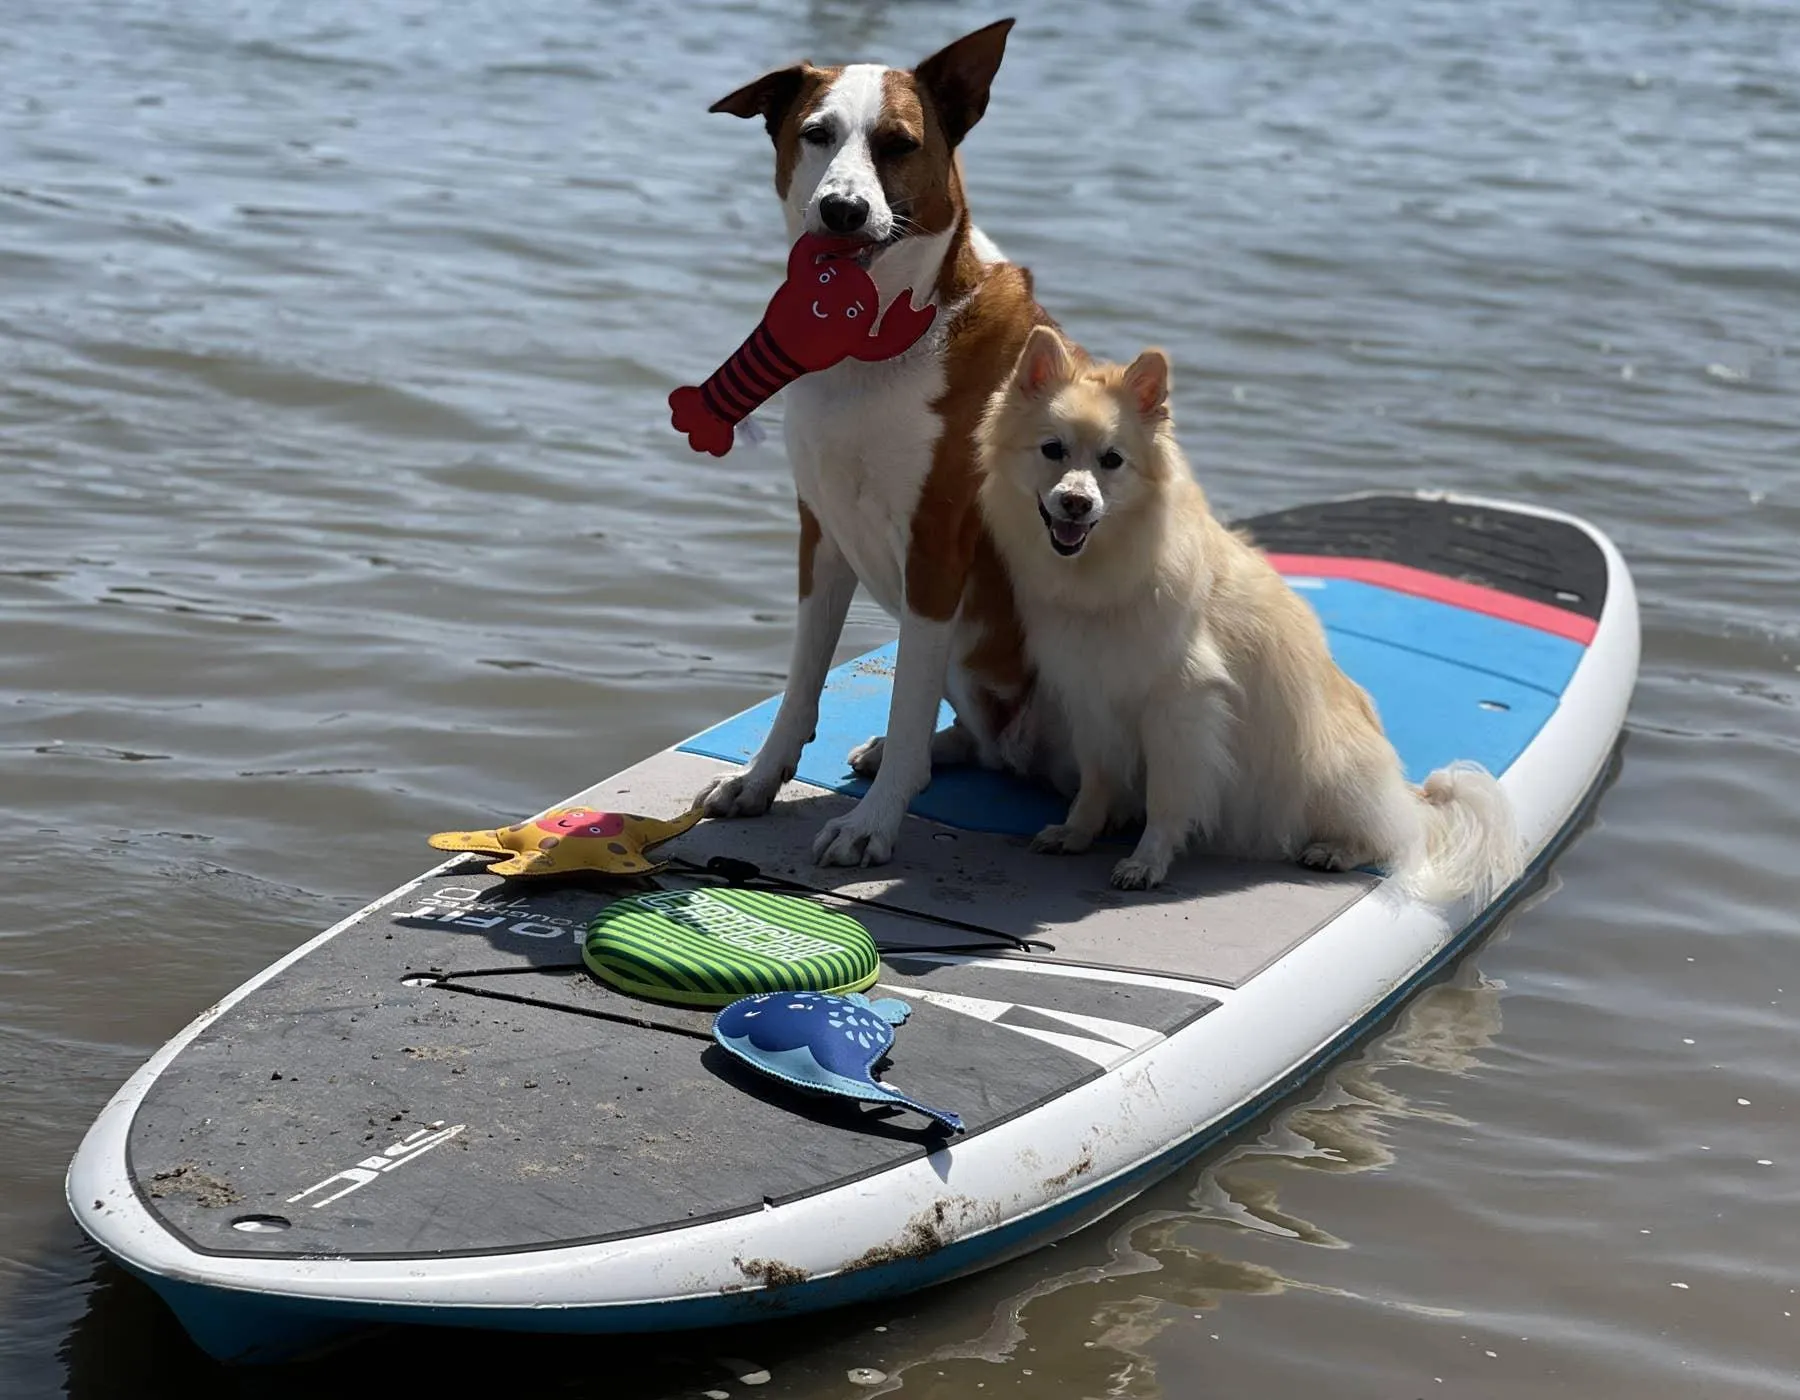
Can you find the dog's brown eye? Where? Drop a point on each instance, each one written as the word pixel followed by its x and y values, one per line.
pixel 819 135
pixel 1054 450
pixel 893 147
pixel 1111 461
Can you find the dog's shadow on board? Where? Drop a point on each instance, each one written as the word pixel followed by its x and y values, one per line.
pixel 891 1121
pixel 939 877
pixel 930 871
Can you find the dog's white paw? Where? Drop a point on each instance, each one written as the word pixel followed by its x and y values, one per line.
pixel 1324 855
pixel 746 794
pixel 865 759
pixel 1062 839
pixel 1137 873
pixel 856 838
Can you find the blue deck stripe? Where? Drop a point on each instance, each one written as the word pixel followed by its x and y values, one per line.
pixel 1448 683
pixel 1426 625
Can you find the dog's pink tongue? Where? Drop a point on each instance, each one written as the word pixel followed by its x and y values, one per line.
pixel 1068 531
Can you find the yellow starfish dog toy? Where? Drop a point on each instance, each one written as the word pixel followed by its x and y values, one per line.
pixel 571 840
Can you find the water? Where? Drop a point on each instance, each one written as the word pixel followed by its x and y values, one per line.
pixel 339 506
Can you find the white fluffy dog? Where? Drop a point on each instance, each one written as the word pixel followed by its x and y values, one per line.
pixel 1197 687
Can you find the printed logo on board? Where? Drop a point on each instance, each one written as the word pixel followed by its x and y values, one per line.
pixel 398 1155
pixel 464 906
pixel 739 928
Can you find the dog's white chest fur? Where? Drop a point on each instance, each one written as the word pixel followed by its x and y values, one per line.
pixel 860 438
pixel 1106 669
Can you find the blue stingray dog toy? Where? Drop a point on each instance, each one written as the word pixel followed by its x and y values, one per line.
pixel 820 1042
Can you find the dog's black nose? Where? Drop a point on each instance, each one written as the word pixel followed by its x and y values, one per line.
pixel 1074 504
pixel 843 213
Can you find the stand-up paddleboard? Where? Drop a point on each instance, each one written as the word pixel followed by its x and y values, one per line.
pixel 365 1134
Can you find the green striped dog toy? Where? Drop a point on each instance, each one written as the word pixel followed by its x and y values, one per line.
pixel 708 947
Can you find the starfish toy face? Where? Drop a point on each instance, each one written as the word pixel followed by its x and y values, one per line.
pixel 571 840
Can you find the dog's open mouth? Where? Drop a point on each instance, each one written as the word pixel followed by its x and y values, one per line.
pixel 1066 536
pixel 866 254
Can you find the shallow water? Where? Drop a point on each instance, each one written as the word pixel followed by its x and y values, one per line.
pixel 338 505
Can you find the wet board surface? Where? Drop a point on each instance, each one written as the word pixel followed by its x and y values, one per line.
pixel 440 1080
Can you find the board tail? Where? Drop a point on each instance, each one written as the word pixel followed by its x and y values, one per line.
pixel 1471 843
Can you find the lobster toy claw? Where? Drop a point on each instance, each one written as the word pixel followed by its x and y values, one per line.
pixel 900 329
pixel 827 310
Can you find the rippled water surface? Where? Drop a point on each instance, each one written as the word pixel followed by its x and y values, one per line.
pixel 338 505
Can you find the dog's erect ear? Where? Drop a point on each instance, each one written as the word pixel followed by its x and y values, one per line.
pixel 958 76
pixel 769 97
pixel 1044 363
pixel 1147 381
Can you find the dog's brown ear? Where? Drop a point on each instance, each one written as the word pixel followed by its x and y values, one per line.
pixel 1044 363
pixel 1146 380
pixel 769 97
pixel 958 76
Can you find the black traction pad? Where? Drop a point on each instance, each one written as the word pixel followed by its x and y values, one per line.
pixel 419 1119
pixel 1528 556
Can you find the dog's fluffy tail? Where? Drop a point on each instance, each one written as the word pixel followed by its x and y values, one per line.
pixel 1471 844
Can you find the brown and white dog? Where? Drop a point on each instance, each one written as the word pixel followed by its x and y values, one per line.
pixel 884 455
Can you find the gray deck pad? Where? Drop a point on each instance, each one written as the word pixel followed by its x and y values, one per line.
pixel 543 1124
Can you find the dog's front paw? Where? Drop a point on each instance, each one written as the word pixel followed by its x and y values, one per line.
pixel 1062 839
pixel 746 794
pixel 865 759
pixel 854 839
pixel 1139 873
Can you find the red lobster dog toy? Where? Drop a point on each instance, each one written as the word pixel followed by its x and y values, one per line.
pixel 823 313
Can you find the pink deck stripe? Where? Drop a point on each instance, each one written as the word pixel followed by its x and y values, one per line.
pixel 1472 596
